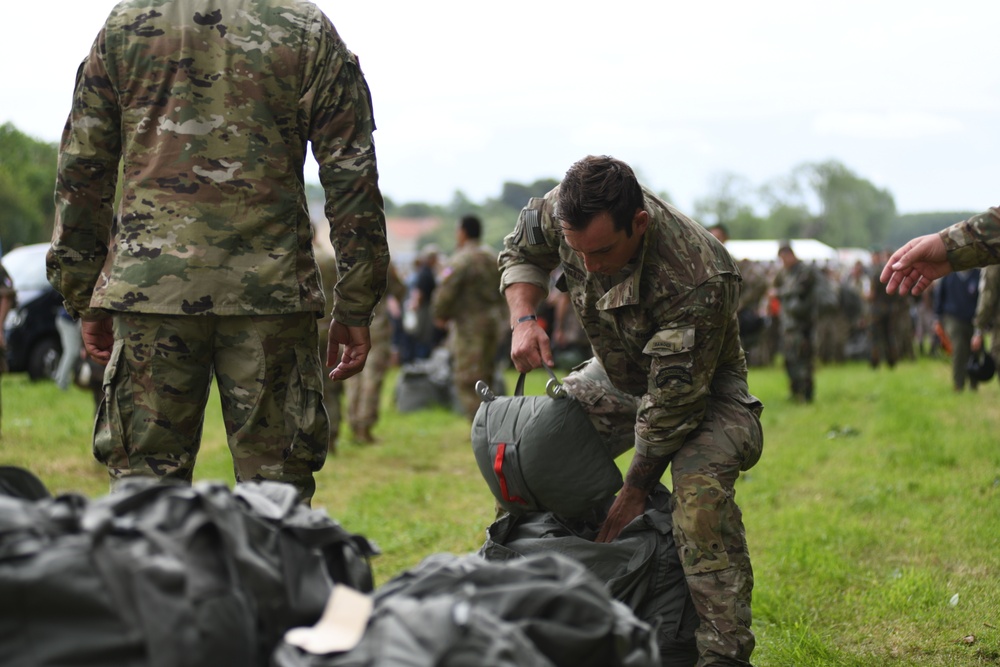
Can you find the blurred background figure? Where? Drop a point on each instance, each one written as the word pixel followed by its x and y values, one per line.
pixel 883 309
pixel 72 346
pixel 796 285
pixel 955 299
pixel 6 303
pixel 469 303
pixel 420 336
pixel 365 389
pixel 986 322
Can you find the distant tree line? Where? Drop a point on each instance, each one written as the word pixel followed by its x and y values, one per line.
pixel 27 181
pixel 824 201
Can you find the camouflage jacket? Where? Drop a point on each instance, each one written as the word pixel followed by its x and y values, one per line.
pixel 988 305
pixel 974 242
pixel 469 291
pixel 796 289
pixel 210 107
pixel 667 332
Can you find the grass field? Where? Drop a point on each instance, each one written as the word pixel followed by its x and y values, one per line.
pixel 873 516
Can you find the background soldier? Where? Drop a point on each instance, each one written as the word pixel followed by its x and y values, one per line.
pixel 796 286
pixel 468 298
pixel 7 301
pixel 987 320
pixel 884 318
pixel 364 390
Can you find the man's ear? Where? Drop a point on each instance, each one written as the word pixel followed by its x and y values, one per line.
pixel 640 222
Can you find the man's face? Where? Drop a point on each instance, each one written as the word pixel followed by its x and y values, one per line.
pixel 603 249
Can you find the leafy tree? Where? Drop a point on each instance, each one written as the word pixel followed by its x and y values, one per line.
pixel 415 210
pixel 27 181
pixel 729 204
pixel 905 227
pixel 853 211
pixel 516 195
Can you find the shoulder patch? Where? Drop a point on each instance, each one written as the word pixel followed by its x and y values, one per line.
pixel 533 226
pixel 670 341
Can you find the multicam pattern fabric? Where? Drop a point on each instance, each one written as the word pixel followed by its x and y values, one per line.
pixel 796 288
pixel 669 374
pixel 667 333
pixel 469 298
pixel 158 383
pixel 210 107
pixel 974 242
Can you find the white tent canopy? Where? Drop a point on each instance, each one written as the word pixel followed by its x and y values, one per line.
pixel 766 250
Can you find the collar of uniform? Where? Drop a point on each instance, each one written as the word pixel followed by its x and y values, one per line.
pixel 626 292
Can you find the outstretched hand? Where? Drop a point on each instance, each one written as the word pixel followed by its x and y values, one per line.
pixel 916 265
pixel 357 344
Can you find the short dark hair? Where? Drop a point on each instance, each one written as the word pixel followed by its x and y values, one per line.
pixel 721 227
pixel 471 225
pixel 599 184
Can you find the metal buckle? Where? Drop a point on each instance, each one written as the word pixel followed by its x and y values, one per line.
pixel 484 391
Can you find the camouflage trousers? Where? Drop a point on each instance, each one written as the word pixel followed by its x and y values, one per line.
pixel 158 381
pixel 333 393
pixel 473 358
pixel 708 524
pixel 364 390
pixel 798 350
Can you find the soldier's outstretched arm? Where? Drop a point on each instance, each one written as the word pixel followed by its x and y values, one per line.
pixel 913 268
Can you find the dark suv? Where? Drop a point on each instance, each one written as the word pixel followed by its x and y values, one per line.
pixel 32 338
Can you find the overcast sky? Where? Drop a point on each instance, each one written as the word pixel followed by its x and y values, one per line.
pixel 467 95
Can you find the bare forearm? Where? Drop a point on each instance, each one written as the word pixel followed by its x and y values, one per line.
pixel 645 471
pixel 522 299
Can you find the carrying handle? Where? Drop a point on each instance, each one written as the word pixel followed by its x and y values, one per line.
pixel 553 387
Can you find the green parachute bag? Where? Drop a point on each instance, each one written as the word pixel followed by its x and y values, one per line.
pixel 542 453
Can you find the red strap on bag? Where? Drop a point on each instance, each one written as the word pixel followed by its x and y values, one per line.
pixel 498 470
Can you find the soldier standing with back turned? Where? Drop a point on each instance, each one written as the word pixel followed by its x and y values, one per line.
pixel 210 105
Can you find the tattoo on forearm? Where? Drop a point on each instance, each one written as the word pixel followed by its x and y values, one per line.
pixel 645 471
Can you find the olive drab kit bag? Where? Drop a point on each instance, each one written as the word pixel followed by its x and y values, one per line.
pixel 542 453
pixel 166 575
pixel 640 568
pixel 546 610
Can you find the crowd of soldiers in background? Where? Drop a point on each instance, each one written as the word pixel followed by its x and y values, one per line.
pixel 867 324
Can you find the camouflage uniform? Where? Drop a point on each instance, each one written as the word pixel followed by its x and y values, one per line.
pixel 364 390
pixel 468 297
pixel 210 106
pixel 8 299
pixel 796 288
pixel 987 319
pixel 884 320
pixel 974 242
pixel 669 377
pixel 333 391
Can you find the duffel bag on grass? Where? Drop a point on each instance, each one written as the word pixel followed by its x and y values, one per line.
pixel 640 568
pixel 165 575
pixel 448 611
pixel 541 453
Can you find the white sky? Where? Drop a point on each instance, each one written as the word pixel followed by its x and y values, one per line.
pixel 906 93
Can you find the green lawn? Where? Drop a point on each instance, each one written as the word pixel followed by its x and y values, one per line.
pixel 873 516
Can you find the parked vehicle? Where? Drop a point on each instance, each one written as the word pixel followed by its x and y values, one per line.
pixel 32 338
